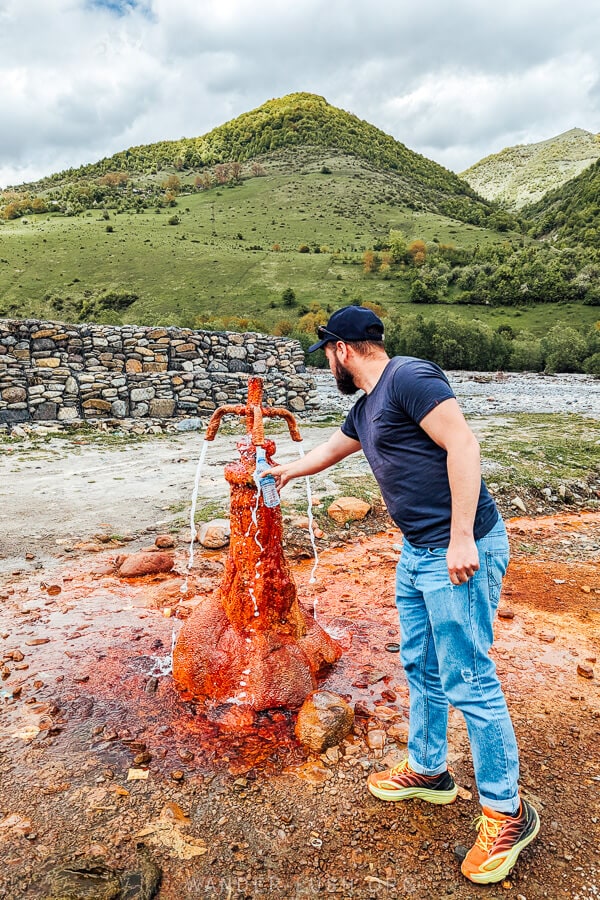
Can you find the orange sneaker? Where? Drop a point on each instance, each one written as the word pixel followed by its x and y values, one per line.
pixel 403 783
pixel 501 838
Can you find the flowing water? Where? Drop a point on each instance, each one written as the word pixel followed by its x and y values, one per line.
pixel 190 563
pixel 311 530
pixel 163 665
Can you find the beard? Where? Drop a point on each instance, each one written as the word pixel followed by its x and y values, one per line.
pixel 344 379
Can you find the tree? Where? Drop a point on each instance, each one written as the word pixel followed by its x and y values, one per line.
pixel 370 261
pixel 288 297
pixel 418 251
pixel 398 247
pixel 564 349
pixel 222 173
pixel 172 184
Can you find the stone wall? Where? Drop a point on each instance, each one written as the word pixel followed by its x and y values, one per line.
pixel 49 370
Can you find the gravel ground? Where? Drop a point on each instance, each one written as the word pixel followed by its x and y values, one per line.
pixel 496 392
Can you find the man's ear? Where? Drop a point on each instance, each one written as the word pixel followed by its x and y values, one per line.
pixel 342 349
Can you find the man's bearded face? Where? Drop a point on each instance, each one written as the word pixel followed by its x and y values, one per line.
pixel 344 379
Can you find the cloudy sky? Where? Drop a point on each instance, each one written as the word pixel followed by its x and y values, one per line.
pixel 81 79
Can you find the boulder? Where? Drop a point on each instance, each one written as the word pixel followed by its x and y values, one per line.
pixel 14 395
pixel 165 541
pixel 136 565
pixel 215 534
pixel 324 720
pixel 348 509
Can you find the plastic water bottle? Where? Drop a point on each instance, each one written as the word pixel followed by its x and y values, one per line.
pixel 267 484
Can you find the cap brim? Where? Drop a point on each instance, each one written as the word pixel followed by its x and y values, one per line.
pixel 318 345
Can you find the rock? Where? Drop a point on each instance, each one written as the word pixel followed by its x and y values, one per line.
pixel 375 739
pixel 165 541
pixel 518 504
pixel 585 671
pixel 67 414
pixel 348 509
pixel 189 425
pixel 505 612
pixel 324 720
pixel 14 395
pixel 547 636
pixel 118 409
pixel 162 408
pixel 92 879
pixel 215 534
pixel 399 733
pixel 143 758
pixel 136 565
pixel 89 878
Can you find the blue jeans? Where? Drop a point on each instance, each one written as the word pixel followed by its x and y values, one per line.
pixel 446 637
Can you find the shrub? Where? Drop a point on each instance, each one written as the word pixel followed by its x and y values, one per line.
pixel 288 297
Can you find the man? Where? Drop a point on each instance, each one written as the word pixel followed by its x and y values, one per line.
pixel 455 553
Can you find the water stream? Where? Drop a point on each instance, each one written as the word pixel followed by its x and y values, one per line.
pixel 311 530
pixel 190 563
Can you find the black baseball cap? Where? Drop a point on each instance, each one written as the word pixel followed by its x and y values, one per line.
pixel 351 323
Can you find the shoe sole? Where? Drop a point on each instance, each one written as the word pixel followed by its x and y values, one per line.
pixel 504 870
pixel 440 798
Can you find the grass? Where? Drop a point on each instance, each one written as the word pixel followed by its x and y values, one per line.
pixel 202 266
pixel 537 451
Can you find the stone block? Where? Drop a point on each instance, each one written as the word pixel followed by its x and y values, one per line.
pixel 162 409
pixel 13 416
pixel 133 366
pixel 67 414
pixel 14 394
pixel 49 362
pixel 118 409
pixel 45 410
pixel 140 394
pixel 96 404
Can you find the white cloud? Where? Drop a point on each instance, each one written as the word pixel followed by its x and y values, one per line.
pixel 85 78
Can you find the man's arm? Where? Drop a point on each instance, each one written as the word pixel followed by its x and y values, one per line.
pixel 332 451
pixel 447 426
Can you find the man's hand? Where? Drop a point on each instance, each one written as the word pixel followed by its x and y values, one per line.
pixel 281 474
pixel 462 559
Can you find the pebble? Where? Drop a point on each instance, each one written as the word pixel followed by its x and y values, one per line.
pixel 585 671
pixel 505 612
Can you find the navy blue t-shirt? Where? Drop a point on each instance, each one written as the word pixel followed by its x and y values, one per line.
pixel 410 468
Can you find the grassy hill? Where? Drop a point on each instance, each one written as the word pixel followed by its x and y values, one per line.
pixel 268 223
pixel 571 214
pixel 297 120
pixel 523 174
pixel 232 250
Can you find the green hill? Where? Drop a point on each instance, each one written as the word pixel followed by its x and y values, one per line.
pixel 270 222
pixel 570 214
pixel 523 174
pixel 297 120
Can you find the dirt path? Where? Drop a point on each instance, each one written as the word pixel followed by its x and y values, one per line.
pixel 264 817
pixel 56 494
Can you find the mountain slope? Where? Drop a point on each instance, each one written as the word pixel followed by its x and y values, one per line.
pixel 523 174
pixel 297 120
pixel 571 214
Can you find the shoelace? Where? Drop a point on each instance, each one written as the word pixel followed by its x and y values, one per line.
pixel 489 829
pixel 400 768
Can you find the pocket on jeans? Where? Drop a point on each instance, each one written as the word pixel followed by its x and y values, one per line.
pixel 496 565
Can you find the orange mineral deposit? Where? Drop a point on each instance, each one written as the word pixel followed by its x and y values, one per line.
pixel 253 644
